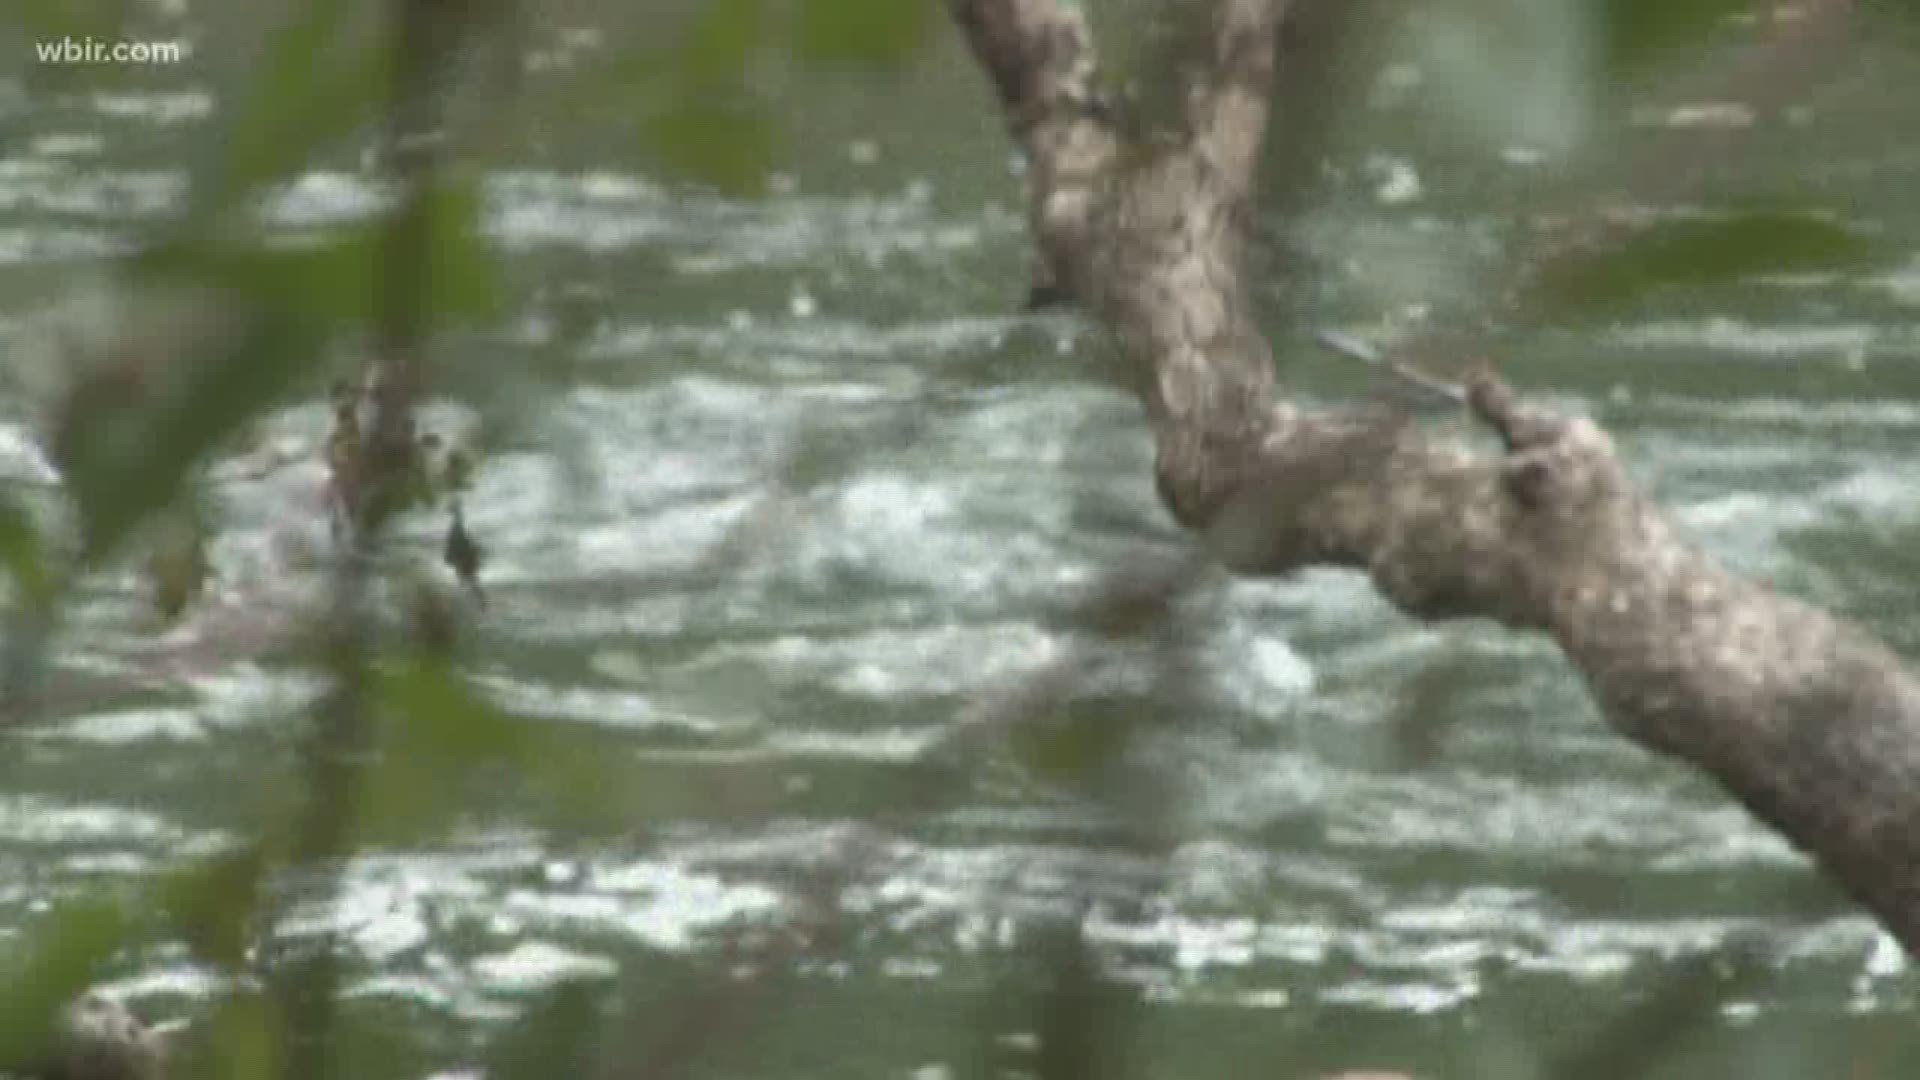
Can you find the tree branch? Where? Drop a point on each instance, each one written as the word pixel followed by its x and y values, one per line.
pixel 1811 723
pixel 1228 120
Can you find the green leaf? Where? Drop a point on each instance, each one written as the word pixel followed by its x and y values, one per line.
pixel 435 731
pixel 1639 32
pixel 558 1036
pixel 307 92
pixel 23 554
pixel 870 35
pixel 330 283
pixel 54 962
pixel 714 51
pixel 438 715
pixel 131 438
pixel 237 1043
pixel 722 139
pixel 1705 251
pixel 212 904
pixel 465 276
pixel 335 280
pixel 49 20
pixel 445 746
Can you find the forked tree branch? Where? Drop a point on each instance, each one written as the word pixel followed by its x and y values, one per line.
pixel 1808 721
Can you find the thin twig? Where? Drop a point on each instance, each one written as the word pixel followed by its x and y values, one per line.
pixel 307 984
pixel 1354 349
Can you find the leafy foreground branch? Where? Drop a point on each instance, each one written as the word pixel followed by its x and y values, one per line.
pixel 1810 722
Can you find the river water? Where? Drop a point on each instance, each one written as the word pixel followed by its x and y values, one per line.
pixel 928 482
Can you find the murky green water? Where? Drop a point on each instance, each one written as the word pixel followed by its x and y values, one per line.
pixel 1317 896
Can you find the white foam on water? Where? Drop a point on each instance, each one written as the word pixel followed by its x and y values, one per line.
pixel 74 192
pixel 1723 334
pixel 30 819
pixel 1566 822
pixel 1419 999
pixel 127 727
pixel 325 199
pixel 54 244
pixel 614 708
pixel 893 744
pixel 1814 417
pixel 887 664
pixel 665 906
pixel 532 966
pixel 161 107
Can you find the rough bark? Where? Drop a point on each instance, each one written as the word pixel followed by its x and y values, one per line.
pixel 1809 722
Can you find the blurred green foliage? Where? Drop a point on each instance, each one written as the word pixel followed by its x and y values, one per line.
pixel 861 34
pixel 1636 34
pixel 20 552
pixel 710 124
pixel 211 904
pixel 311 89
pixel 48 19
pixel 1700 252
pixel 716 48
pixel 439 733
pixel 328 284
pixel 52 965
pixel 237 1042
pixel 722 138
pixel 169 411
pixel 135 431
pixel 553 1037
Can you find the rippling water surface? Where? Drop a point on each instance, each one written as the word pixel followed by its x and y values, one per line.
pixel 1313 892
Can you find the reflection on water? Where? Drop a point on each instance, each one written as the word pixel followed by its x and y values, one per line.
pixel 986 478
